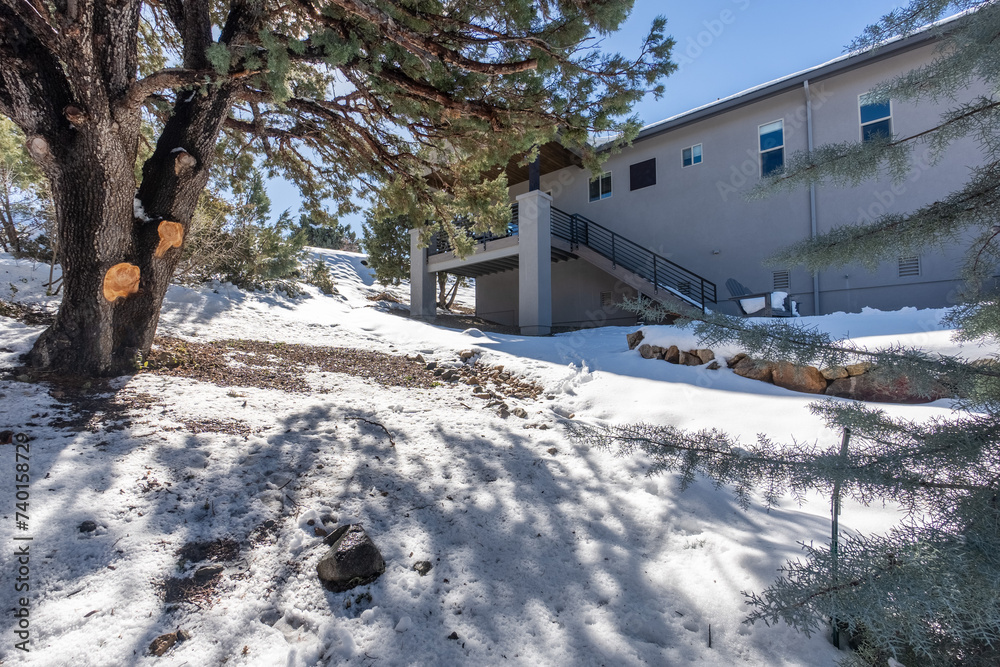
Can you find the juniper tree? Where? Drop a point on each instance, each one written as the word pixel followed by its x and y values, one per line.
pixel 928 591
pixel 128 106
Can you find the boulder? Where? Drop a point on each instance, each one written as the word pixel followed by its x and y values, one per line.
pixel 858 369
pixel 646 351
pixel 806 379
pixel 705 355
pixel 834 373
pixel 688 359
pixel 465 355
pixel 634 339
pixel 754 370
pixel 353 559
pixel 735 359
pixel 672 355
pixel 869 387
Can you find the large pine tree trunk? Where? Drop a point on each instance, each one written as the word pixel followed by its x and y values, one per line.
pixel 93 189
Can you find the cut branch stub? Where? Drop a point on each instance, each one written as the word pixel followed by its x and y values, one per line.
pixel 121 280
pixel 171 236
pixel 75 115
pixel 38 148
pixel 184 163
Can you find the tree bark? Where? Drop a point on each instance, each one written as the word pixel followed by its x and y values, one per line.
pixel 93 191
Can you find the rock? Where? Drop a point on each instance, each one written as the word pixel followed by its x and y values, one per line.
pixel 705 355
pixel 858 369
pixel 658 352
pixel 688 359
pixel 646 351
pixel 465 355
pixel 88 526
pixel 207 572
pixel 164 643
pixel 353 559
pixel 453 635
pixel 438 372
pixel 714 366
pixel 672 355
pixel 634 339
pixel 869 387
pixel 834 372
pixel 806 379
pixel 450 376
pixel 431 365
pixel 483 395
pixel 419 358
pixel 520 412
pixel 319 532
pixel 422 567
pixel 735 359
pixel 754 370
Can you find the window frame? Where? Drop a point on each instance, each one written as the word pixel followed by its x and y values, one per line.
pixel 862 124
pixel 700 156
pixel 761 151
pixel 600 179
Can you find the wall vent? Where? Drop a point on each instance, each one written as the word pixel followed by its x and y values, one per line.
pixel 909 266
pixel 782 280
pixel 607 299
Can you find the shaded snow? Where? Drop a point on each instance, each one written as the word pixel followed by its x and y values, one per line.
pixel 543 551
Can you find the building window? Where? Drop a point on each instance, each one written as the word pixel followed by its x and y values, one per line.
pixel 640 175
pixel 772 148
pixel 909 266
pixel 876 119
pixel 782 280
pixel 600 187
pixel 691 156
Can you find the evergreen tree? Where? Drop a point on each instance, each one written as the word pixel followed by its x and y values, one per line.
pixel 928 592
pixel 415 99
pixel 321 230
pixel 386 240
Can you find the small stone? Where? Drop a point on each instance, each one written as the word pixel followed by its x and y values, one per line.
pixel 482 395
pixel 419 358
pixel 208 572
pixel 164 643
pixel 753 370
pixel 465 355
pixel 688 359
pixel 450 376
pixel 552 450
pixel 714 366
pixel 835 373
pixel 705 355
pixel 672 355
pixel 353 559
pixel 854 370
pixel 453 635
pixel 422 567
pixel 543 427
pixel 88 526
pixel 735 359
pixel 791 376
pixel 23 378
pixel 520 412
pixel 438 372
pixel 431 365
pixel 319 532
pixel 634 339
pixel 646 351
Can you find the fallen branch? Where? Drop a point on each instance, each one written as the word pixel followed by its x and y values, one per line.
pixel 372 423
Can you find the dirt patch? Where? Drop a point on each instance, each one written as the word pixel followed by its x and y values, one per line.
pixel 222 549
pixel 264 365
pixel 197 591
pixel 92 412
pixel 383 296
pixel 228 426
pixel 26 313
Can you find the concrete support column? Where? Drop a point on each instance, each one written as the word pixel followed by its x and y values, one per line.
pixel 534 263
pixel 423 283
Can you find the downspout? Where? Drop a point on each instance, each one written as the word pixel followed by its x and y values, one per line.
pixel 813 229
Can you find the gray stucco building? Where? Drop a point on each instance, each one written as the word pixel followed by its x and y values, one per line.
pixel 669 216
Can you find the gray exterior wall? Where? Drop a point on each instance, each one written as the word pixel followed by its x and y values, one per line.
pixel 699 216
pixel 577 288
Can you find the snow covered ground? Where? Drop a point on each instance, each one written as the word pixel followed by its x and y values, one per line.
pixel 543 552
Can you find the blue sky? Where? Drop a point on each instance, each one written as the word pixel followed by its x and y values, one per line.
pixel 723 47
